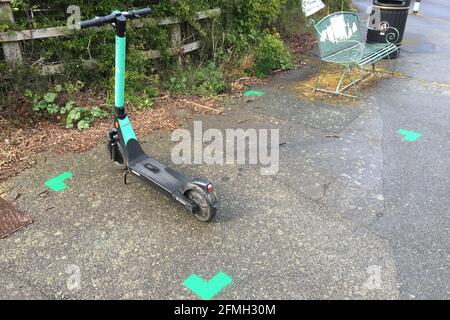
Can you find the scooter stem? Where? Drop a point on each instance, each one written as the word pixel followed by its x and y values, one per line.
pixel 121 45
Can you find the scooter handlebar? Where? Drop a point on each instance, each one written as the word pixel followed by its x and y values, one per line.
pixel 98 21
pixel 135 14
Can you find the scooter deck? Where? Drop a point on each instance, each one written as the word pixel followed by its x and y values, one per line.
pixel 158 173
pixel 166 180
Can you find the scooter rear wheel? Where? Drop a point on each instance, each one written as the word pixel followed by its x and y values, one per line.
pixel 206 212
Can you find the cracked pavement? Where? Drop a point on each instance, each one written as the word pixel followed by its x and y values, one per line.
pixel 337 208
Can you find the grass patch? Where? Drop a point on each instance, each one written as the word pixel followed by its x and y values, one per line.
pixel 305 89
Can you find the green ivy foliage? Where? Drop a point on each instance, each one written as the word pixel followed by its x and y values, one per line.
pixel 241 22
pixel 71 115
pixel 245 26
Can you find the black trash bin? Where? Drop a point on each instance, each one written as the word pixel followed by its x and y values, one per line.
pixel 394 13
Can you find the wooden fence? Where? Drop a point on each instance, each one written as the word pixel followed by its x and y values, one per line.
pixel 10 40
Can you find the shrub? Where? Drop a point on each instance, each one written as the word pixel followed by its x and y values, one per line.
pixel 272 54
pixel 243 20
pixel 201 81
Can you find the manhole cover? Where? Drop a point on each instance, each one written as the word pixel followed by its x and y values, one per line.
pixel 11 219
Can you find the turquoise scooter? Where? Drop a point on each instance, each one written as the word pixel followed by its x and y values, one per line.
pixel 195 195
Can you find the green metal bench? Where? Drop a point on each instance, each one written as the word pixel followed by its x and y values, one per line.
pixel 341 42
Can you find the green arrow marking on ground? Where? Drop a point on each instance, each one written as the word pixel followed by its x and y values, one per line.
pixel 409 135
pixel 253 93
pixel 207 289
pixel 57 183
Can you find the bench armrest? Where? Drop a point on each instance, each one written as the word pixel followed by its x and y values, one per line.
pixel 311 23
pixel 392 35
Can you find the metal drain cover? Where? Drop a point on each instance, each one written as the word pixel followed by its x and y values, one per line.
pixel 11 219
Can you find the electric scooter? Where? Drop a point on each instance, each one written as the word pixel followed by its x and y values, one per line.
pixel 195 195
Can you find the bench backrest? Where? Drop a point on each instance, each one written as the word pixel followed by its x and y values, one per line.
pixel 338 32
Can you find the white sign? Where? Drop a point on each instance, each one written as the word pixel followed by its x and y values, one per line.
pixel 312 6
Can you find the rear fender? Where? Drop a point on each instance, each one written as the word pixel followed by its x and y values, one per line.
pixel 197 184
pixel 201 186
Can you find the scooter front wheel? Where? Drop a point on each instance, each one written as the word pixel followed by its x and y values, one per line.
pixel 206 211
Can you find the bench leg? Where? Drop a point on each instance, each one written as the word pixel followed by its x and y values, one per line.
pixel 346 69
pixel 393 65
pixel 390 71
pixel 339 89
pixel 319 79
pixel 362 77
pixel 357 83
pixel 354 82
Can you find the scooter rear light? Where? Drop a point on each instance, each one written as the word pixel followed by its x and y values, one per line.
pixel 210 188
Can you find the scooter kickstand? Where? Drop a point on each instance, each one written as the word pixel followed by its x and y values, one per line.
pixel 125 176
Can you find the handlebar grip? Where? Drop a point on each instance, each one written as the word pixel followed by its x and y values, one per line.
pixel 98 21
pixel 90 23
pixel 140 12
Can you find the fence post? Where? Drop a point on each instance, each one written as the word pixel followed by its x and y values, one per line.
pixel 175 37
pixel 11 50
